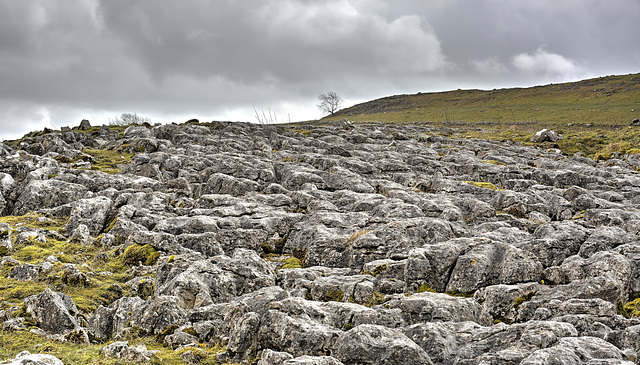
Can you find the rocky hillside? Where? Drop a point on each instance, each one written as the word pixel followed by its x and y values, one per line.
pixel 330 243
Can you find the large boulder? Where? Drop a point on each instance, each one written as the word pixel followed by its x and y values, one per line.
pixel 107 322
pixel 214 280
pixel 545 135
pixel 297 335
pixel 371 344
pixel 91 212
pixel 122 351
pixel 578 350
pixel 54 312
pixel 27 358
pixel 428 307
pixel 42 194
pixel 489 264
pixel 5 239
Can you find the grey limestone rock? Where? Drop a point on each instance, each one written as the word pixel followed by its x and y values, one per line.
pixel 297 335
pixel 121 350
pixel 5 239
pixel 270 357
pixel 377 215
pixel 371 344
pixel 39 194
pixel 490 263
pixel 27 358
pixel 214 280
pixel 578 350
pixel 428 307
pixel 108 322
pixel 313 360
pixel 91 212
pixel 54 312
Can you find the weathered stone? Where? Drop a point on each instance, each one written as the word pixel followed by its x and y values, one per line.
pixel 5 239
pixel 371 344
pixel 27 358
pixel 428 307
pixel 377 215
pixel 53 312
pixel 578 350
pixel 91 212
pixel 295 335
pixel 121 350
pixel 107 322
pixel 39 194
pixel 491 263
pixel 270 357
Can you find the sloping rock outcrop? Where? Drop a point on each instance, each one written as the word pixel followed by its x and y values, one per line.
pixel 324 244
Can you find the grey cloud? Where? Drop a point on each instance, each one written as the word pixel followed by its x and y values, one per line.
pixel 549 64
pixel 215 59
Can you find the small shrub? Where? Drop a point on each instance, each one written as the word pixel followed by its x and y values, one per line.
pixel 376 299
pixel 630 309
pixel 379 269
pixel 494 162
pixel 191 331
pixel 525 298
pixel 292 263
pixel 425 288
pixel 137 254
pixel 167 331
pixel 300 254
pixel 277 248
pixel 333 296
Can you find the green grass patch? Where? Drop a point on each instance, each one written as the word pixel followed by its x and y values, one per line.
pixel 333 296
pixel 101 273
pixel 525 298
pixel 108 161
pixel 486 185
pixel 34 220
pixel 630 309
pixel 292 263
pixel 590 114
pixel 138 254
pixel 81 354
pixel 425 288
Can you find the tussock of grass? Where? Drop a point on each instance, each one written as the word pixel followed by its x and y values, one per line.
pixel 630 309
pixel 138 254
pixel 108 160
pixel 425 288
pixel 486 185
pixel 292 263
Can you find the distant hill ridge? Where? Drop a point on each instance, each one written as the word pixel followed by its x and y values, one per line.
pixel 610 100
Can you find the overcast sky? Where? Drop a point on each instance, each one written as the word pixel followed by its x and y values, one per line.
pixel 65 60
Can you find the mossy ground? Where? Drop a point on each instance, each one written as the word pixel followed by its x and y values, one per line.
pixel 480 184
pixel 103 273
pixel 15 342
pixel 108 161
pixel 630 309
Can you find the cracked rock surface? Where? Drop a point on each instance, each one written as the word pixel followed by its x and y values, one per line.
pixel 342 244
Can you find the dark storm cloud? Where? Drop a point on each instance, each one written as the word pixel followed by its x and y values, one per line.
pixel 61 61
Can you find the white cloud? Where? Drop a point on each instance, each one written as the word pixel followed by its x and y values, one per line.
pixel 488 66
pixel 549 64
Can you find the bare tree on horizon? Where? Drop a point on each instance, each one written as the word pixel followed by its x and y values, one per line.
pixel 329 102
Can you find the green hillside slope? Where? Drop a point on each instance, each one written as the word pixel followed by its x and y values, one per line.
pixel 592 114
